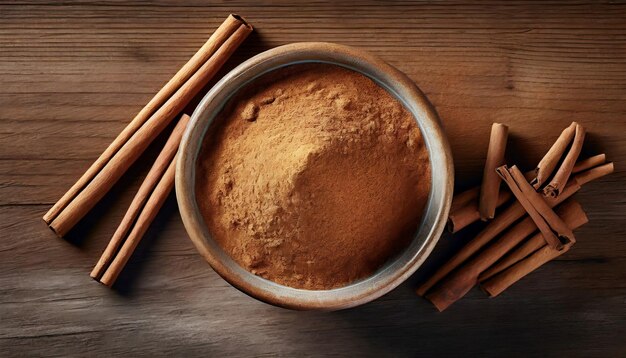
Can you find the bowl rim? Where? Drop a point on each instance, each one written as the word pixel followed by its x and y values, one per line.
pixel 391 275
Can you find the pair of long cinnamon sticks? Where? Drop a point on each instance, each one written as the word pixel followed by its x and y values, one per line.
pixel 509 255
pixel 145 205
pixel 166 105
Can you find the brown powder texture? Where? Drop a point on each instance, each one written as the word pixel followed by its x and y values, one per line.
pixel 313 176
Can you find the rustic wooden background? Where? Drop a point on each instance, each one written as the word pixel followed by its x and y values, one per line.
pixel 72 75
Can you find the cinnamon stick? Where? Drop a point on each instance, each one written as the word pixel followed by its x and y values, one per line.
pixel 595 173
pixel 69 211
pixel 464 198
pixel 490 187
pixel 503 221
pixel 464 210
pixel 565 170
pixel 494 228
pixel 573 218
pixel 548 163
pixel 500 282
pixel 465 207
pixel 589 163
pixel 147 215
pixel 459 282
pixel 138 204
pixel 497 284
pixel 461 216
pixel 469 213
pixel 547 221
pixel 226 29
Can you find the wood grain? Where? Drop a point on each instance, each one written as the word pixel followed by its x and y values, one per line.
pixel 73 74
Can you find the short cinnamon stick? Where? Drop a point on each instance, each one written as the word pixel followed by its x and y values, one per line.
pixel 573 218
pixel 138 204
pixel 589 163
pixel 548 163
pixel 459 282
pixel 469 214
pixel 594 173
pixel 491 181
pixel 464 198
pixel 541 223
pixel 545 212
pixel 139 141
pixel 565 170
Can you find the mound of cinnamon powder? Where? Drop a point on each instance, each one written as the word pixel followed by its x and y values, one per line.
pixel 313 176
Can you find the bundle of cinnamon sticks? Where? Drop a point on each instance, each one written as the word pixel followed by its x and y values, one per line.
pixel 524 231
pixel 162 109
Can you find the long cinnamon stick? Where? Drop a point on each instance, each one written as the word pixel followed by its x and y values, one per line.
pixel 459 282
pixel 589 163
pixel 495 227
pixel 139 141
pixel 152 207
pixel 491 181
pixel 565 170
pixel 573 218
pixel 138 204
pixel 226 29
pixel 548 163
pixel 497 284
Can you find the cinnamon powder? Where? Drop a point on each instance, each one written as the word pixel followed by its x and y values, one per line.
pixel 313 176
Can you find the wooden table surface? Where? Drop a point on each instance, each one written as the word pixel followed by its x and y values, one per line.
pixel 73 74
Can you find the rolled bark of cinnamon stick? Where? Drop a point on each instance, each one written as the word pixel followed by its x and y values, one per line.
pixel 226 29
pixel 464 210
pixel 548 163
pixel 589 163
pixel 84 200
pixel 469 214
pixel 544 217
pixel 464 198
pixel 138 204
pixel 458 283
pixel 497 284
pixel 501 281
pixel 490 187
pixel 494 228
pixel 565 170
pixel 504 220
pixel 573 218
pixel 594 173
pixel 147 215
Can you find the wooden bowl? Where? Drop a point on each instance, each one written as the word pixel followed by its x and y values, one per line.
pixel 394 272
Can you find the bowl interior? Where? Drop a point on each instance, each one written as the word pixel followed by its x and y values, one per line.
pixel 398 268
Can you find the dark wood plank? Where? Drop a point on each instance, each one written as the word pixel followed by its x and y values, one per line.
pixel 73 74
